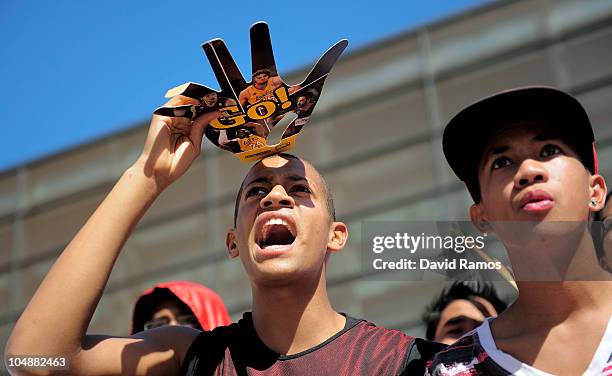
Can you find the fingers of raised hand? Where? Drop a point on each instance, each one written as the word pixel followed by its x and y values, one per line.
pixel 207 117
pixel 178 100
pixel 179 125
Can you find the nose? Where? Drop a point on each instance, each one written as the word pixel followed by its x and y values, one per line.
pixel 277 198
pixel 530 172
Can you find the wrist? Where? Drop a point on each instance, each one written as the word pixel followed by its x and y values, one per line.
pixel 147 183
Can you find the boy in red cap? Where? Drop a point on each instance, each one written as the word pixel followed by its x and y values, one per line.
pixel 179 303
pixel 527 157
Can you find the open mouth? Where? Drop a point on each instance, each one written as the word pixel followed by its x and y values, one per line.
pixel 275 232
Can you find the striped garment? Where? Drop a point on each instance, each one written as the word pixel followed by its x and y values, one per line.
pixel 476 354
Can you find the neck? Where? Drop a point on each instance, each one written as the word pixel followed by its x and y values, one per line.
pixel 554 301
pixel 559 278
pixel 554 252
pixel 546 307
pixel 293 318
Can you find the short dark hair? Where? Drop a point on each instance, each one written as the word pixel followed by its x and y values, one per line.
pixel 458 290
pixel 329 200
pixel 597 229
pixel 598 216
pixel 265 71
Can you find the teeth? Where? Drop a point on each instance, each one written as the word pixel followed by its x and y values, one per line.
pixel 276 221
pixel 271 222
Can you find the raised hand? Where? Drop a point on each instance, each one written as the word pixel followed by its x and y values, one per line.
pixel 252 108
pixel 173 143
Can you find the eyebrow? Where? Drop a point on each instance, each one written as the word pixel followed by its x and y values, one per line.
pixel 461 319
pixel 296 177
pixel 261 179
pixel 544 136
pixel 265 179
pixel 499 149
pixel 457 320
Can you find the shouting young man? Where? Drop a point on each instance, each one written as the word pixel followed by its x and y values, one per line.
pixel 527 157
pixel 285 230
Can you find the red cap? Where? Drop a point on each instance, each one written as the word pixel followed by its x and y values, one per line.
pixel 206 305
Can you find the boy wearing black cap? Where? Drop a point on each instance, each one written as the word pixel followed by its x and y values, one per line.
pixel 527 157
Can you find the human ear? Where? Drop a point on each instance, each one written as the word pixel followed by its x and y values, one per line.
pixel 479 218
pixel 230 244
pixel 597 190
pixel 338 235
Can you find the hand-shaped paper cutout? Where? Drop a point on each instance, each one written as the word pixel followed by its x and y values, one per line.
pixel 251 110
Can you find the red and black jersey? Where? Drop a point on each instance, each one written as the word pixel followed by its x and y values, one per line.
pixel 360 348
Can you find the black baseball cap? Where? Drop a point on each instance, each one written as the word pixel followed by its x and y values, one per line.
pixel 468 132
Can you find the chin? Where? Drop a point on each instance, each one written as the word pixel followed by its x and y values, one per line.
pixel 275 273
pixel 279 273
pixel 558 228
pixel 554 214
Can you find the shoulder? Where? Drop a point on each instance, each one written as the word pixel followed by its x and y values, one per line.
pixel 246 91
pixel 208 349
pixel 371 331
pixel 178 338
pixel 220 336
pixel 410 355
pixel 379 340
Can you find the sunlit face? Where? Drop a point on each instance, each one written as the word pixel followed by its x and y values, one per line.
pixel 460 316
pixel 283 227
pixel 261 79
pixel 304 104
pixel 528 173
pixel 210 99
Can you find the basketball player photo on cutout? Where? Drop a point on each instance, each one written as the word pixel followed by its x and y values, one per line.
pixel 252 110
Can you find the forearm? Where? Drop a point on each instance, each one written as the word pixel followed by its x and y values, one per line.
pixel 57 317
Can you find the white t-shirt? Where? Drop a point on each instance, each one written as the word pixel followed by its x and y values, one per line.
pixel 476 354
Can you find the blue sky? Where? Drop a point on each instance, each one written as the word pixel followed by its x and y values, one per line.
pixel 76 71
